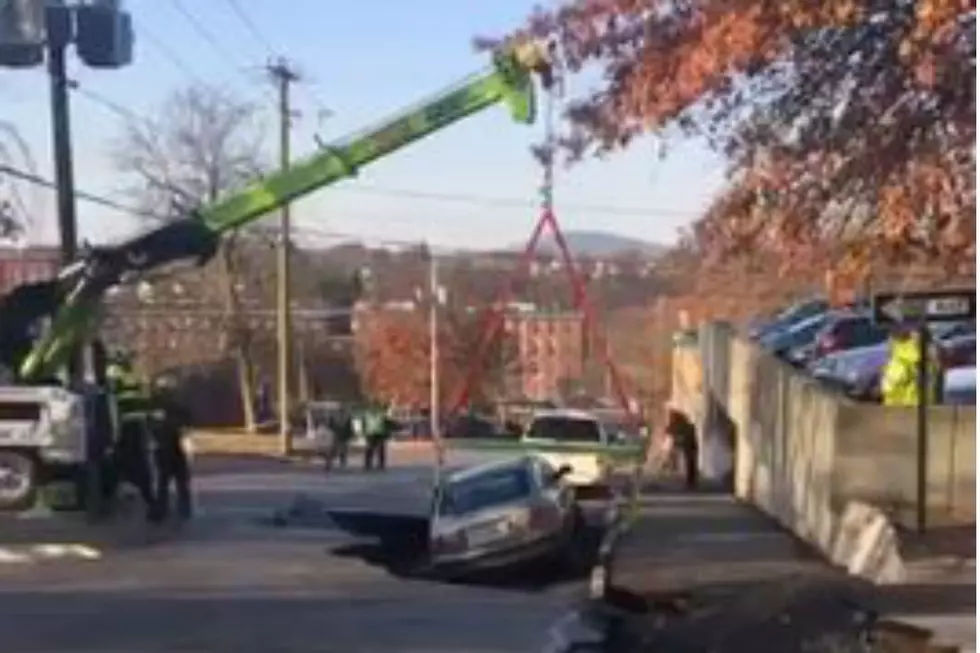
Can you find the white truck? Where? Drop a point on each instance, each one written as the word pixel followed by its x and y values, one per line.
pixel 556 433
pixel 42 440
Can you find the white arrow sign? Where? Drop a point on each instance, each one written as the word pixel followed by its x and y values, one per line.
pixel 894 309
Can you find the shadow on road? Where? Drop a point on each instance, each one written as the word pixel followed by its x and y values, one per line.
pixel 398 544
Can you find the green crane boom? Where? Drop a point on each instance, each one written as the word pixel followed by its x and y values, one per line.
pixel 76 296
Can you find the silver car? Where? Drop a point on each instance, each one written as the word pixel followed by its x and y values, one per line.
pixel 501 514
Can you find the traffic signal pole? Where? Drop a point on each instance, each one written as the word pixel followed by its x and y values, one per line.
pixel 60 31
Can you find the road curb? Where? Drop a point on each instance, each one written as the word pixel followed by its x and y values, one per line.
pixel 618 520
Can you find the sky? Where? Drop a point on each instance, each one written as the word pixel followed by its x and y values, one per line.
pixel 363 61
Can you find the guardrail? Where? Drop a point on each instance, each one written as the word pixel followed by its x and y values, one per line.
pixel 621 452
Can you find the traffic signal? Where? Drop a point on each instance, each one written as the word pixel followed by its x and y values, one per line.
pixel 104 36
pixel 22 33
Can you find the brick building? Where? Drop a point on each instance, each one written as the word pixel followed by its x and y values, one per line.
pixel 550 349
pixel 24 265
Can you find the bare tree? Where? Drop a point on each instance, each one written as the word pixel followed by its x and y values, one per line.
pixel 15 212
pixel 202 143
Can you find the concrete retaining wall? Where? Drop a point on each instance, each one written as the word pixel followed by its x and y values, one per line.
pixel 834 472
pixel 877 453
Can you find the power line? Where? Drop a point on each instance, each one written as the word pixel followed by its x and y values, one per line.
pixel 107 103
pixel 251 27
pixel 170 55
pixel 209 37
pixel 89 197
pixel 274 54
pixel 511 202
pixel 142 213
pixel 80 194
pixel 205 34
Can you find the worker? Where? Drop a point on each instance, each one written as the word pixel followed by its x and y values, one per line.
pixel 131 414
pixel 342 432
pixel 377 429
pixel 900 375
pixel 684 444
pixel 170 421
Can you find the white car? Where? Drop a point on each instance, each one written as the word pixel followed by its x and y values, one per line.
pixel 502 513
pixel 567 430
pixel 960 386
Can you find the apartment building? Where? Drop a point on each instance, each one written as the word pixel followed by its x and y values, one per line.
pixel 550 349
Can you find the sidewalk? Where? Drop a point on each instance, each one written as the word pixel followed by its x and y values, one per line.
pixel 940 592
pixel 702 572
pixel 683 543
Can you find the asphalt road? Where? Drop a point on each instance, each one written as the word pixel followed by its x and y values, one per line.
pixel 280 558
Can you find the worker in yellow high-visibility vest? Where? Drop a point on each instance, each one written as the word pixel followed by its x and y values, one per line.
pixel 132 414
pixel 900 375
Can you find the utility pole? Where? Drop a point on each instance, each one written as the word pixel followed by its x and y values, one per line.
pixel 283 75
pixel 434 403
pixel 436 297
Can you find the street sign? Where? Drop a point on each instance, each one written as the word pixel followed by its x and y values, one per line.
pixel 935 306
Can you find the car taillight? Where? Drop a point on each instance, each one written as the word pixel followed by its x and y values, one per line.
pixel 543 517
pixel 450 543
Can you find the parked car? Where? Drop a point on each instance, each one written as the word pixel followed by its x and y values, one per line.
pixel 946 330
pixel 572 428
pixel 471 427
pixel 960 386
pixel 789 317
pixel 856 372
pixel 958 351
pixel 780 343
pixel 503 513
pixel 847 330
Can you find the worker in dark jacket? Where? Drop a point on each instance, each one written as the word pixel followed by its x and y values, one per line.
pixel 131 408
pixel 170 421
pixel 684 441
pixel 341 426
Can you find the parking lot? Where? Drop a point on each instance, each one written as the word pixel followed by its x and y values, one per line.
pixel 281 557
pixel 846 348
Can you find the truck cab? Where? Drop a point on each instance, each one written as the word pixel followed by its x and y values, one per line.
pixel 42 438
pixel 570 437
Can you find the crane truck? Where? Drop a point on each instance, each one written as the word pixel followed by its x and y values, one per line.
pixel 50 432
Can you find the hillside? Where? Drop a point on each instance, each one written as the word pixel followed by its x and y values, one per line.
pixel 602 243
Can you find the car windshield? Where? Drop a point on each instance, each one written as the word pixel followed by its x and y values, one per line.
pixel 565 429
pixel 485 491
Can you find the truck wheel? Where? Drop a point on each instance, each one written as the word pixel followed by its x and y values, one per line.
pixel 18 481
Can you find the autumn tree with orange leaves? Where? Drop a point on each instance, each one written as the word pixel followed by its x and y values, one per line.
pixel 393 358
pixel 846 122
